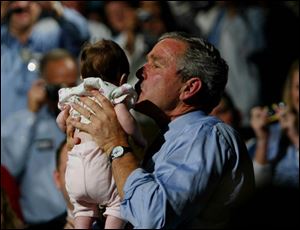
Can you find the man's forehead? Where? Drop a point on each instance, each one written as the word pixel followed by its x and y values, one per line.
pixel 64 63
pixel 167 47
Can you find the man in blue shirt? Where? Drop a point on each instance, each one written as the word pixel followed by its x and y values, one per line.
pixel 25 38
pixel 30 137
pixel 201 171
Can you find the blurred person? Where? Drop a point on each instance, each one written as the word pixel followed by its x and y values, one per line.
pixel 227 112
pixel 281 34
pixel 9 218
pixel 230 114
pixel 92 11
pixel 229 26
pixel 30 137
pixel 276 150
pixel 200 170
pixel 122 19
pixel 25 37
pixel 155 19
pixel 95 11
pixel 59 178
pixel 11 214
pixel 185 12
pixel 89 182
pixel 79 6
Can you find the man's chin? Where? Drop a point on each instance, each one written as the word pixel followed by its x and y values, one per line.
pixel 150 109
pixel 140 98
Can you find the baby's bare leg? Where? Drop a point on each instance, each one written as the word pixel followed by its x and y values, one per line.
pixel 113 222
pixel 83 222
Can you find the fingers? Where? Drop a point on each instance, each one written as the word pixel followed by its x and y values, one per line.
pixel 70 128
pixel 70 133
pixel 40 82
pixel 61 119
pixel 105 107
pixel 71 140
pixel 105 103
pixel 66 112
pixel 36 96
pixel 258 118
pixel 75 123
pixel 85 111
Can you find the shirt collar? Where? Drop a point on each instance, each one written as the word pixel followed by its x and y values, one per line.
pixel 191 117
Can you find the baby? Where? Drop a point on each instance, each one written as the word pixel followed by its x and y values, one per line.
pixel 89 180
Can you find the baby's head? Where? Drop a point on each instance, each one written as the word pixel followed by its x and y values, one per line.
pixel 104 59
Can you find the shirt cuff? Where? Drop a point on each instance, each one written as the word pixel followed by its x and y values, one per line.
pixel 133 181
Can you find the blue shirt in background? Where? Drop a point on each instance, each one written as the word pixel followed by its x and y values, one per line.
pixel 69 33
pixel 28 145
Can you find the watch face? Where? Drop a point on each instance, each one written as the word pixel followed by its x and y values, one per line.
pixel 117 151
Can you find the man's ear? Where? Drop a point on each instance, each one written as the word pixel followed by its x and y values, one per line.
pixel 123 79
pixel 190 88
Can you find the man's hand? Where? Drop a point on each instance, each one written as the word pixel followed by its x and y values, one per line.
pixel 289 124
pixel 37 96
pixel 104 127
pixel 259 121
pixel 52 6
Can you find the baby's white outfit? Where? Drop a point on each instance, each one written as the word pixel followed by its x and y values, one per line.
pixel 89 179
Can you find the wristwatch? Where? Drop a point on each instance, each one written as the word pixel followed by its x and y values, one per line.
pixel 119 151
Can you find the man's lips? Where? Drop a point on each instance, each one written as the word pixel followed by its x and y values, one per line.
pixel 138 88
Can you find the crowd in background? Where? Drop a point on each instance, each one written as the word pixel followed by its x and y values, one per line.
pixel 258 39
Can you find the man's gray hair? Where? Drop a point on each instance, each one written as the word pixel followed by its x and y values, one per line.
pixel 202 60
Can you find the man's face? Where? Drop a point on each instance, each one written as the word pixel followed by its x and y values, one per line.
pixel 24 14
pixel 116 14
pixel 58 74
pixel 61 72
pixel 160 83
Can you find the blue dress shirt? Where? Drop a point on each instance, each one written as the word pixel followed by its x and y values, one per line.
pixel 28 145
pixel 16 79
pixel 199 173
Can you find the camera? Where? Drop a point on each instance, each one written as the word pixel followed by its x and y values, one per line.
pixel 272 114
pixel 52 91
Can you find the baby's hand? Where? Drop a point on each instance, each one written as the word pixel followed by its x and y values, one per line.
pixel 62 118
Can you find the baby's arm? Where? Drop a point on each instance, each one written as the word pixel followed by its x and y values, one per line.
pixel 61 119
pixel 129 124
